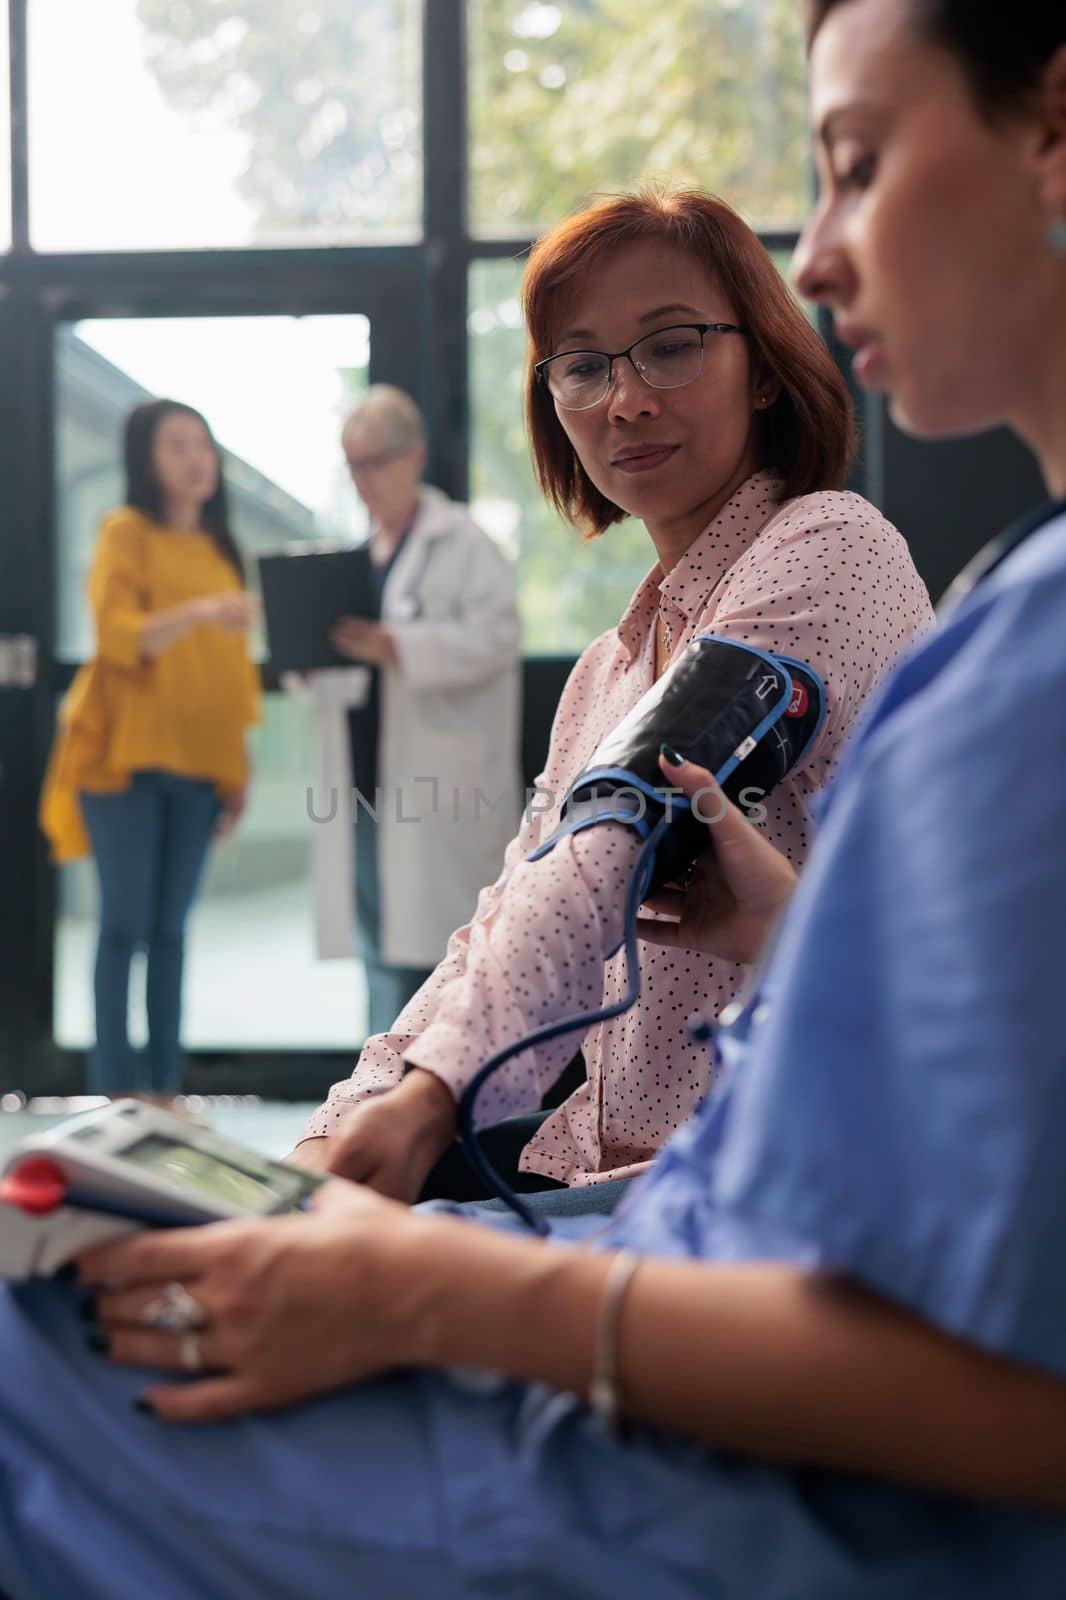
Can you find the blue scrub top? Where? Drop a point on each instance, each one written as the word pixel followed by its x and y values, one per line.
pixel 896 1100
pixel 895 1107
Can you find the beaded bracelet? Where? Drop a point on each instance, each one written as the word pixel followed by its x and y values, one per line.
pixel 603 1390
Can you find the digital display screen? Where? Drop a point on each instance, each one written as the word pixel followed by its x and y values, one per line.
pixel 253 1184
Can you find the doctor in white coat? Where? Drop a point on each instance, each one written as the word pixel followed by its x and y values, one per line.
pixel 418 788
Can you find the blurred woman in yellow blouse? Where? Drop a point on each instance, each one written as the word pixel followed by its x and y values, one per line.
pixel 150 761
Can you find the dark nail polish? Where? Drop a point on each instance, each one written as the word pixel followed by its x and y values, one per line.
pixel 87 1309
pixel 671 755
pixel 97 1342
pixel 145 1407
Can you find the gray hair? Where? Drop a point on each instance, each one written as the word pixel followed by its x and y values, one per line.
pixel 390 415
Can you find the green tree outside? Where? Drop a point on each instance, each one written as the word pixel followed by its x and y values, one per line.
pixel 571 100
pixel 327 95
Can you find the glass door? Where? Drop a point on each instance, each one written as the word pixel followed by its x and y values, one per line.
pixel 275 390
pixel 274 359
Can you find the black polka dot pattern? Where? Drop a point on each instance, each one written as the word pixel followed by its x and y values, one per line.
pixel 823 578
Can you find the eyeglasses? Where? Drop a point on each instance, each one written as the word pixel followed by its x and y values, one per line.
pixel 668 359
pixel 372 463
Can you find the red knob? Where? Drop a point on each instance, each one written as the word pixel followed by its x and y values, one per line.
pixel 37 1185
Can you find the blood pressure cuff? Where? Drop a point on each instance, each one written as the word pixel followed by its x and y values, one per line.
pixel 745 715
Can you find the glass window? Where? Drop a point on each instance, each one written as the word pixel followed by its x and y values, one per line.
pixel 256 123
pixel 274 390
pixel 578 97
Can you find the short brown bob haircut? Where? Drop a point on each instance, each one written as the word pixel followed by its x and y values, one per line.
pixel 807 435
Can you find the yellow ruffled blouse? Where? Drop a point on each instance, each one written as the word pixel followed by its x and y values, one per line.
pixel 184 711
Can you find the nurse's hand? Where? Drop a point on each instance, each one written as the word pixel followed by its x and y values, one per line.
pixel 391 1142
pixel 293 1306
pixel 739 886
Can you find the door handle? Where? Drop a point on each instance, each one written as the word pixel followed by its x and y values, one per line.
pixel 18 661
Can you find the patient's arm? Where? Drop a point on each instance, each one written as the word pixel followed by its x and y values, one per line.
pixel 538 956
pixel 535 959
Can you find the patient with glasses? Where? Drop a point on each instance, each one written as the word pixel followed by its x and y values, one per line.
pixel 673 378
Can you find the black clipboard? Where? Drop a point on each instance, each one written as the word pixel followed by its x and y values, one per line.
pixel 306 590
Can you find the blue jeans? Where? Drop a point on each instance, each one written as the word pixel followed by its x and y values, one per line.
pixel 579 1200
pixel 388 988
pixel 150 843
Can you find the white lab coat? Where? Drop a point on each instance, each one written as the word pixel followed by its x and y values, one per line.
pixel 450 789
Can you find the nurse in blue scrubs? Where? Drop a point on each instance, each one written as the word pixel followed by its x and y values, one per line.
pixel 833 1316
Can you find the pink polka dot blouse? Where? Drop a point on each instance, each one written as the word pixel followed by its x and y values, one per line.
pixel 823 578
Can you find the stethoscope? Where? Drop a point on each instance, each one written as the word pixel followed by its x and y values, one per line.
pixel 407 606
pixel 995 552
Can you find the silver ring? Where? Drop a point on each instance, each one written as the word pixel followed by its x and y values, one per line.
pixel 174 1310
pixel 189 1351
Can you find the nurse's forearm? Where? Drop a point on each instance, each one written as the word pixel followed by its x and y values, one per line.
pixel 800 1367
pixel 780 1364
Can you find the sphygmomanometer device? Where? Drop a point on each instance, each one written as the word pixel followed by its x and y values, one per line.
pixel 125 1167
pixel 745 715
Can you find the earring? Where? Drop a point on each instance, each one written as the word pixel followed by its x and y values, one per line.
pixel 1056 236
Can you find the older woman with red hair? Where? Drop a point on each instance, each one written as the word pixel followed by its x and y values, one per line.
pixel 673 378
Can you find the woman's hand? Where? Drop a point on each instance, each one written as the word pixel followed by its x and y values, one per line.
pixel 739 886
pixel 234 803
pixel 391 1142
pixel 293 1306
pixel 234 611
pixel 362 640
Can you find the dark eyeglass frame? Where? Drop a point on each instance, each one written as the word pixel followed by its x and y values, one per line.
pixel 375 462
pixel 702 328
